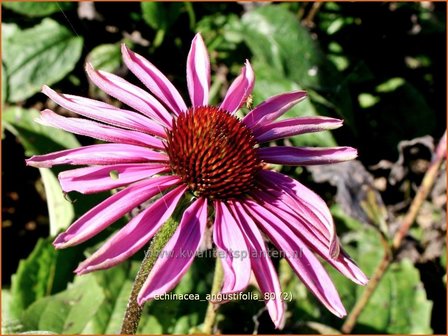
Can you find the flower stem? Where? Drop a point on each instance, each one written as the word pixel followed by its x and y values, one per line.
pixel 210 315
pixel 134 310
pixel 390 251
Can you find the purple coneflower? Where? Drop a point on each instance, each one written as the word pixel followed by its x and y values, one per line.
pixel 207 155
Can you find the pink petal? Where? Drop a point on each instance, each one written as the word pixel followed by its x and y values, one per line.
pixel 103 154
pixel 154 80
pixel 305 204
pixel 304 263
pixel 306 155
pixel 113 208
pixel 295 126
pixel 232 250
pixel 106 113
pixel 99 131
pixel 315 240
pixel 262 266
pixel 198 72
pixel 130 94
pixel 240 89
pixel 178 254
pixel 134 235
pixel 272 108
pixel 99 178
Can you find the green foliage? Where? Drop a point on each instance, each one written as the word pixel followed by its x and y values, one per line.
pixel 67 312
pixel 276 38
pixel 44 272
pixel 36 56
pixel 106 57
pixel 385 83
pixel 159 15
pixel 37 9
pixel 398 306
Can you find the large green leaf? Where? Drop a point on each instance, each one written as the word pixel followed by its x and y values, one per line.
pixel 44 272
pixel 36 9
pixel 399 304
pixel 116 284
pixel 36 56
pixel 279 42
pixel 67 312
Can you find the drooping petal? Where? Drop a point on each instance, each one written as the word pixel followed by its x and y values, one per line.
pixel 134 235
pixel 113 208
pixel 106 113
pixel 198 72
pixel 130 94
pixel 301 259
pixel 232 250
pixel 178 254
pixel 294 126
pixel 306 204
pixel 262 266
pixel 306 155
pixel 154 80
pixel 103 154
pixel 101 178
pixel 317 242
pixel 239 90
pixel 272 108
pixel 99 131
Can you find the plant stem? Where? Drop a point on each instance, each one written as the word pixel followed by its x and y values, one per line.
pixel 210 315
pixel 422 193
pixel 134 310
pixel 308 21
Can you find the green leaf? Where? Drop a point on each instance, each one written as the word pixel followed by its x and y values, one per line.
pixel 116 284
pixel 45 271
pixel 60 210
pixel 36 9
pixel 105 57
pixel 36 56
pixel 10 323
pixel 278 41
pixel 399 304
pixel 160 16
pixel 270 83
pixel 67 312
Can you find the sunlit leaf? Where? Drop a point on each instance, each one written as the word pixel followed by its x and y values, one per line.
pixel 36 56
pixel 67 312
pixel 277 39
pixel 36 9
pixel 105 57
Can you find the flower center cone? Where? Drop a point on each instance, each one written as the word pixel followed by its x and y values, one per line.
pixel 213 152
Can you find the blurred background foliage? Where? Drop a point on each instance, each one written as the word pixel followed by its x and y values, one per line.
pixel 379 66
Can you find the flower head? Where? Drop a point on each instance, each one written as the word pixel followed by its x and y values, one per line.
pixel 162 146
